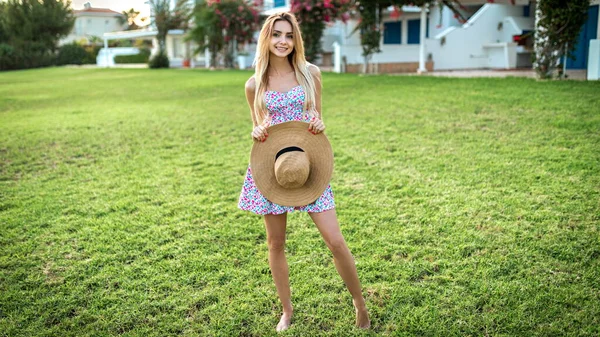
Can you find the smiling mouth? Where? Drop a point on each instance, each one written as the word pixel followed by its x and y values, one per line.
pixel 281 49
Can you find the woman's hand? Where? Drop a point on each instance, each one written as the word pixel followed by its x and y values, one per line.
pixel 260 131
pixel 316 124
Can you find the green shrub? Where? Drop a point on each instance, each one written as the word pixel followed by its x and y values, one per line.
pixel 142 57
pixel 159 61
pixel 24 55
pixel 72 53
pixel 91 53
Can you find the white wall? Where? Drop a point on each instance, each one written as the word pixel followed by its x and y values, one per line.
pixel 463 47
pixel 93 25
pixel 390 53
pixel 515 26
pixel 175 47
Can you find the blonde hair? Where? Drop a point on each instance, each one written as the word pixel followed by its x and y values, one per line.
pixel 297 61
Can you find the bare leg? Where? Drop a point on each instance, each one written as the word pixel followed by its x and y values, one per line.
pixel 344 262
pixel 275 225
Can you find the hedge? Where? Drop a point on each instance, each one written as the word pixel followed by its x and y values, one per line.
pixel 142 57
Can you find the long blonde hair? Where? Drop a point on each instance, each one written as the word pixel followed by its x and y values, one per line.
pixel 297 61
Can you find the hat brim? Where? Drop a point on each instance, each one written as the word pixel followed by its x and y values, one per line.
pixel 284 135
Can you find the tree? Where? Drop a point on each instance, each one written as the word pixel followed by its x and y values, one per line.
pixel 221 25
pixel 370 12
pixel 128 17
pixel 557 28
pixel 165 20
pixel 313 16
pixel 30 31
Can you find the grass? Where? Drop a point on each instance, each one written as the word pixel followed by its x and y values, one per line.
pixel 471 206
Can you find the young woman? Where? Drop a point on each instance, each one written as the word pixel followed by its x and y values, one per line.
pixel 285 87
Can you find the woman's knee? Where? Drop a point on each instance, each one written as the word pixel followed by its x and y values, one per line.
pixel 276 244
pixel 337 246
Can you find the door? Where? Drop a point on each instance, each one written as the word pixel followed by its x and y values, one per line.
pixel 588 32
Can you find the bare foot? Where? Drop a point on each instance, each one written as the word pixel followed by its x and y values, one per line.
pixel 362 316
pixel 284 322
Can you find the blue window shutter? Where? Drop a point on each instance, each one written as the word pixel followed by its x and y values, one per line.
pixel 414 31
pixel 279 3
pixel 392 32
pixel 526 10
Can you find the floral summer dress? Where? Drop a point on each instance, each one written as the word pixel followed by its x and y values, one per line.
pixel 282 107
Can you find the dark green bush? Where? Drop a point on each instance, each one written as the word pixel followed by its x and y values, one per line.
pixel 72 53
pixel 30 31
pixel 159 61
pixel 142 57
pixel 26 54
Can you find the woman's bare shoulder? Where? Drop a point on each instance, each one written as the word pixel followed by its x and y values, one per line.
pixel 251 84
pixel 314 70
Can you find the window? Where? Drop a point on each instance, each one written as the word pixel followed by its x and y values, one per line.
pixel 279 3
pixel 414 31
pixel 392 32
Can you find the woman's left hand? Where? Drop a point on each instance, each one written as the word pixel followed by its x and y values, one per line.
pixel 316 124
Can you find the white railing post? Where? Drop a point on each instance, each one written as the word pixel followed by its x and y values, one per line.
pixel 422 68
pixel 206 58
pixel 106 52
pixel 337 57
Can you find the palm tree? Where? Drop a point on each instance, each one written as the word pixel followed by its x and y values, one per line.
pixel 164 19
pixel 129 18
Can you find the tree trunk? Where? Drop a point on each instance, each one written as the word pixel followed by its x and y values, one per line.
pixel 213 57
pixel 161 45
pixel 547 58
pixel 228 55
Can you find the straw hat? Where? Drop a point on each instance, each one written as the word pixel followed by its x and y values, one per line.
pixel 292 167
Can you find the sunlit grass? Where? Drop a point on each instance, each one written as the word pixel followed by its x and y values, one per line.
pixel 471 207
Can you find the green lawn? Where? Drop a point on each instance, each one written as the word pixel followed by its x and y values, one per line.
pixel 472 207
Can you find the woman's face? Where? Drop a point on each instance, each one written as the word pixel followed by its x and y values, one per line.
pixel 282 40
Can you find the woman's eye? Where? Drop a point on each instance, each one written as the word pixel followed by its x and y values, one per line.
pixel 276 35
pixel 290 37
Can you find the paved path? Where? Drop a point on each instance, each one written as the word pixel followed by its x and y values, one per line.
pixel 572 74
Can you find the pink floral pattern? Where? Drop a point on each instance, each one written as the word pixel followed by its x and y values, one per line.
pixel 283 107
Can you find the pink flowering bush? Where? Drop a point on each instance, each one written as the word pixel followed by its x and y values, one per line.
pixel 220 24
pixel 313 15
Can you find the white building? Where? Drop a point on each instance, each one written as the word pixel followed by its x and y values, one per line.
pixel 425 39
pixel 495 36
pixel 94 22
pixel 178 51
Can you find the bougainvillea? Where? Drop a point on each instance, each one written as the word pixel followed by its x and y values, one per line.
pixel 313 16
pixel 223 24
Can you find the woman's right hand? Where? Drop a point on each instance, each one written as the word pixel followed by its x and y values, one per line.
pixel 260 131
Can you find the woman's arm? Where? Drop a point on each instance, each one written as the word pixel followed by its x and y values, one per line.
pixel 316 124
pixel 316 74
pixel 250 90
pixel 260 131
